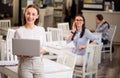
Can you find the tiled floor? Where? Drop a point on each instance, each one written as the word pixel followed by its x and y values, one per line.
pixel 109 69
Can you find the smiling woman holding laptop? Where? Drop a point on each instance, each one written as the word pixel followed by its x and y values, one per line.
pixel 31 66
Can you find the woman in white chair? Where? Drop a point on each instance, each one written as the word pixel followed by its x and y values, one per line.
pixel 102 26
pixel 80 36
pixel 31 66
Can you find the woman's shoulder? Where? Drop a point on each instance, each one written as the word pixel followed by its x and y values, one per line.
pixel 105 23
pixel 20 28
pixel 87 30
pixel 40 28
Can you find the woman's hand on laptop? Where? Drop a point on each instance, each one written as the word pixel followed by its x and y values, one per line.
pixel 42 51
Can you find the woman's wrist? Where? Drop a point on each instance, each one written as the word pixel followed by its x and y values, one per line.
pixel 72 32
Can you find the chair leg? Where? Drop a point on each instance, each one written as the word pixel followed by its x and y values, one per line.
pixel 74 76
pixel 95 76
pixel 110 54
pixel 91 76
pixel 104 52
pixel 104 55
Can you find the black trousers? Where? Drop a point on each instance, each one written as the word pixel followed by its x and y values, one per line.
pixel 105 42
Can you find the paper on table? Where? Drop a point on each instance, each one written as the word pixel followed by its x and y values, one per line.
pixel 61 45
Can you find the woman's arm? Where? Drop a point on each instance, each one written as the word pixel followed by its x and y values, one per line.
pixel 91 37
pixel 43 41
pixel 72 32
pixel 69 38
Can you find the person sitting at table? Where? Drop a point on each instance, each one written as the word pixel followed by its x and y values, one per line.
pixel 80 36
pixel 31 66
pixel 102 26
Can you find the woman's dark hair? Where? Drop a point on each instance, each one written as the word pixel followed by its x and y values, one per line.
pixel 99 17
pixel 31 6
pixel 83 27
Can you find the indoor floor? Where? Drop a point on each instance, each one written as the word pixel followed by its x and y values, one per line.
pixel 109 69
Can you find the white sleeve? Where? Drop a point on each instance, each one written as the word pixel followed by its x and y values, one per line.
pixel 16 35
pixel 43 38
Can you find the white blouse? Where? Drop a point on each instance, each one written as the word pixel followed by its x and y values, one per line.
pixel 36 33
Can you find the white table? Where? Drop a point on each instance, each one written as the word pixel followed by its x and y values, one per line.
pixel 52 70
pixel 58 47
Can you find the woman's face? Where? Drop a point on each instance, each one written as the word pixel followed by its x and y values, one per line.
pixel 79 22
pixel 31 15
pixel 97 21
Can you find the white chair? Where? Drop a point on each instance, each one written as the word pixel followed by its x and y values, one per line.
pixel 4 25
pixel 90 63
pixel 65 28
pixel 48 36
pixel 68 59
pixel 99 37
pixel 111 33
pixel 2 49
pixel 10 35
pixel 7 47
pixel 49 55
pixel 64 25
pixel 57 34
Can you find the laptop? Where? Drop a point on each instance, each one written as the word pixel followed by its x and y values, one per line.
pixel 26 47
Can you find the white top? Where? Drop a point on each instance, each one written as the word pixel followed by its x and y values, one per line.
pixel 36 33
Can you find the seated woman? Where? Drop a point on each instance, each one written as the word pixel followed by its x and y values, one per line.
pixel 80 36
pixel 102 26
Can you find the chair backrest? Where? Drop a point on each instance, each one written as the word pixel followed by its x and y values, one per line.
pixel 63 26
pixel 48 36
pixel 56 33
pixel 68 59
pixel 111 33
pixel 10 35
pixel 5 23
pixel 2 49
pixel 91 58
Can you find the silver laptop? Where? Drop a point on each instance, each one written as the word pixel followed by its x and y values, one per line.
pixel 27 47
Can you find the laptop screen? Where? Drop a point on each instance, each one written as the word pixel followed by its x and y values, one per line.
pixel 26 47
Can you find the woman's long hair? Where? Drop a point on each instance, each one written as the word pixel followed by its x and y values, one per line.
pixel 83 27
pixel 31 6
pixel 100 18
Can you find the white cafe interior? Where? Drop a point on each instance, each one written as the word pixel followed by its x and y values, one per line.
pixel 59 61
